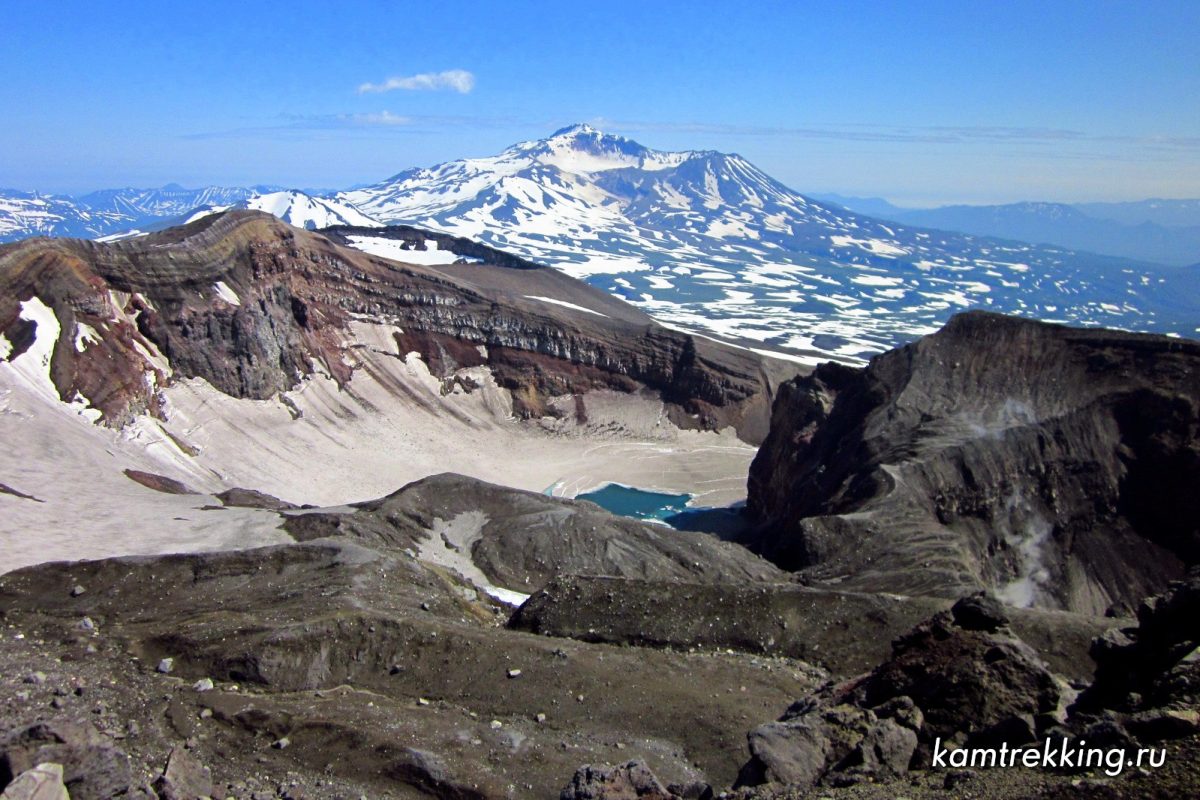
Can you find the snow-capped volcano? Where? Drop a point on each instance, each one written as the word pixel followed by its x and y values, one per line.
pixel 708 241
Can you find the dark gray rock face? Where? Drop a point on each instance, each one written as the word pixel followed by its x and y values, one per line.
pixel 1057 467
pixel 943 680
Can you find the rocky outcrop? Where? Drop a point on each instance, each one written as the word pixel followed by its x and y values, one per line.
pixel 632 781
pixel 1059 467
pixel 43 782
pixel 1155 664
pixel 253 305
pixel 962 678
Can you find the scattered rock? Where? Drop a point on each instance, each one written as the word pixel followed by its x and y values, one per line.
pixel 251 498
pixel 77 590
pixel 282 743
pixel 166 665
pixel 203 685
pixel 43 782
pixel 696 790
pixel 184 778
pixel 514 673
pixel 159 483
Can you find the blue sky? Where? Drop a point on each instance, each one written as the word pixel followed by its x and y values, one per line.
pixel 923 102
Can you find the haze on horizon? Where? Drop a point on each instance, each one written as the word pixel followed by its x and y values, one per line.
pixel 943 103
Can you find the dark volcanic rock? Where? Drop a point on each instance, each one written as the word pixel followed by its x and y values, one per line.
pixel 942 681
pixel 967 683
pixel 1155 664
pixel 252 498
pixel 980 612
pixel 93 769
pixel 159 483
pixel 253 305
pixel 632 781
pixel 1055 466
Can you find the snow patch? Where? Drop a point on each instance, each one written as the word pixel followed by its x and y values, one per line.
pixel 563 303
pixel 225 293
pixel 398 250
pixel 449 545
pixel 876 246
pixel 84 335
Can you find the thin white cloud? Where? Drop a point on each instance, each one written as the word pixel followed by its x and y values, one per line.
pixel 455 80
pixel 379 118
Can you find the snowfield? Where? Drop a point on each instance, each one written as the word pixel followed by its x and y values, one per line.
pixel 749 258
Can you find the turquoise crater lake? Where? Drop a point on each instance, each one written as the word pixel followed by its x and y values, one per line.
pixel 668 509
pixel 637 503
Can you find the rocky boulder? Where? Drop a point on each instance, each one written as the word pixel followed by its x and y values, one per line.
pixel 43 782
pixel 631 781
pixel 92 768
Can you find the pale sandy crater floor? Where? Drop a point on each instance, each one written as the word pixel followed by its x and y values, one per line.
pixel 320 445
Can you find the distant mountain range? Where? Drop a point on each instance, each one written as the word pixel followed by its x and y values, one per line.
pixel 707 241
pixel 24 214
pixel 701 240
pixel 1165 231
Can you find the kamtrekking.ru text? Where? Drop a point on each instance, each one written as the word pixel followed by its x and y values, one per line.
pixel 1062 755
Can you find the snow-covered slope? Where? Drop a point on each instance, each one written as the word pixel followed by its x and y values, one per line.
pixel 293 207
pixel 305 211
pixel 121 212
pixel 707 241
pixel 24 214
